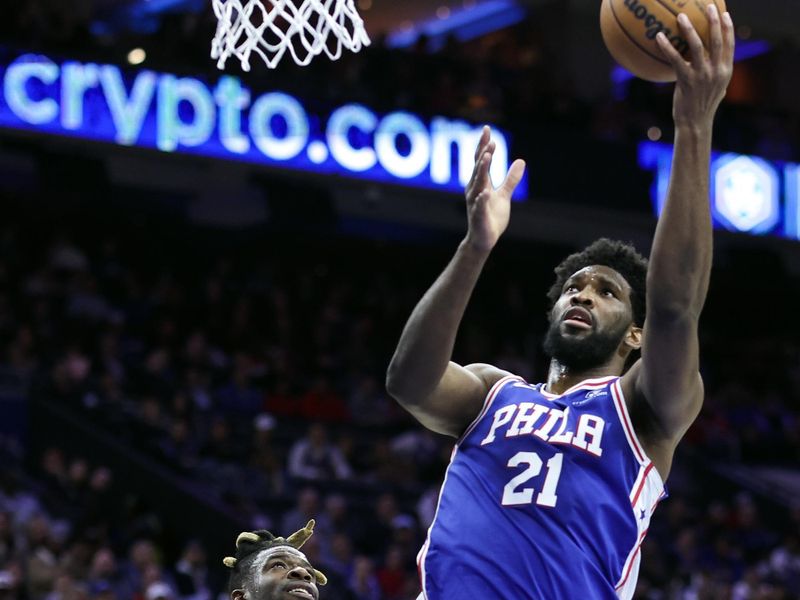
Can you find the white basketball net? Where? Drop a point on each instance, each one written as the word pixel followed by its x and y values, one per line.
pixel 271 27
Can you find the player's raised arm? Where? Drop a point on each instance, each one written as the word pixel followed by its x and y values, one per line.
pixel 442 395
pixel 668 378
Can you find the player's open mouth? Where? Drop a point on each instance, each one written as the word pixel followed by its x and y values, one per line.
pixel 301 591
pixel 579 318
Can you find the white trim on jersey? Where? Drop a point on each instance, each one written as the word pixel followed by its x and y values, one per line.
pixel 487 403
pixel 493 391
pixel 627 586
pixel 646 493
pixel 423 552
pixel 596 382
pixel 627 424
pixel 649 493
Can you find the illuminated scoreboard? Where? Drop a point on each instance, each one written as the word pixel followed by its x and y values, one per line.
pixel 225 119
pixel 748 194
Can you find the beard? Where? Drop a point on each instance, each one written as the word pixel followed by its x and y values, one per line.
pixel 586 352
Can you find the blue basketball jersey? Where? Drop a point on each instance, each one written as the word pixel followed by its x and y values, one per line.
pixel 546 498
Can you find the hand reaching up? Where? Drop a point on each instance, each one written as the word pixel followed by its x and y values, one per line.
pixel 489 209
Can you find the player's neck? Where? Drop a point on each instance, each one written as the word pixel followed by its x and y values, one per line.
pixel 560 377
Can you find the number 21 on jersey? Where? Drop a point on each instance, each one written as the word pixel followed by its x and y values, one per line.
pixel 515 495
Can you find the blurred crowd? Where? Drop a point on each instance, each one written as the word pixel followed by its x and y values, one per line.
pixel 520 78
pixel 254 369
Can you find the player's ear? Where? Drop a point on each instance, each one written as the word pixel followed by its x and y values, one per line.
pixel 633 339
pixel 237 594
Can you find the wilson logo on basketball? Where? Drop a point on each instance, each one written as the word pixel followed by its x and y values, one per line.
pixel 653 25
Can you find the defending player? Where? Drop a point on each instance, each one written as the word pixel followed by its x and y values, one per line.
pixel 551 487
pixel 272 568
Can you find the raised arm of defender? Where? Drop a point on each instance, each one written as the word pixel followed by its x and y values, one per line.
pixel 444 396
pixel 667 381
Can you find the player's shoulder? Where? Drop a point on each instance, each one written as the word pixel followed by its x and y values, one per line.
pixel 489 374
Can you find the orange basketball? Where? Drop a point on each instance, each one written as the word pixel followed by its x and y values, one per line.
pixel 630 27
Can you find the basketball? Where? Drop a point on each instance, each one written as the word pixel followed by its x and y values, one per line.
pixel 630 27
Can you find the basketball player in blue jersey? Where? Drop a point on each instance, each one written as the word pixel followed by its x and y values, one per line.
pixel 551 487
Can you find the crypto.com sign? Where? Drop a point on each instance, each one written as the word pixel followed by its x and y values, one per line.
pixel 227 120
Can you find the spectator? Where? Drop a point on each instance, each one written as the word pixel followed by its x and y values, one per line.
pixel 336 517
pixel 393 576
pixel 221 445
pixel 314 457
pixel 339 558
pixel 142 562
pixel 159 590
pixel 239 397
pixel 105 575
pixel 307 508
pixel 192 578
pixel 41 567
pixel 322 402
pixel 7 542
pixel 363 581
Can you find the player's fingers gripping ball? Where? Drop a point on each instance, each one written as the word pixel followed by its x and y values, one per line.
pixel 630 28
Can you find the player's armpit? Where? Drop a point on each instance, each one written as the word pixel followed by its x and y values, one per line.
pixel 456 400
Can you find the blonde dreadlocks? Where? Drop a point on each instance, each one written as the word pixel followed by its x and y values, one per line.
pixel 252 544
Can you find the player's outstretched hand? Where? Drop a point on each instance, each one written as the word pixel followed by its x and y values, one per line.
pixel 703 80
pixel 489 209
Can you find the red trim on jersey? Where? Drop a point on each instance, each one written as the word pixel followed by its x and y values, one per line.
pixel 642 484
pixel 616 393
pixel 633 560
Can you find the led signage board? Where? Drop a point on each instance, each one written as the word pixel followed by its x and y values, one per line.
pixel 748 194
pixel 225 119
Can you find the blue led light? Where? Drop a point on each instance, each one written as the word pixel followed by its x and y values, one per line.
pixel 77 80
pixel 128 110
pixel 232 99
pixel 465 24
pixel 25 82
pixel 748 194
pixel 792 176
pixel 341 123
pixel 185 113
pixel 403 165
pixel 744 194
pixel 292 126
pixel 745 49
